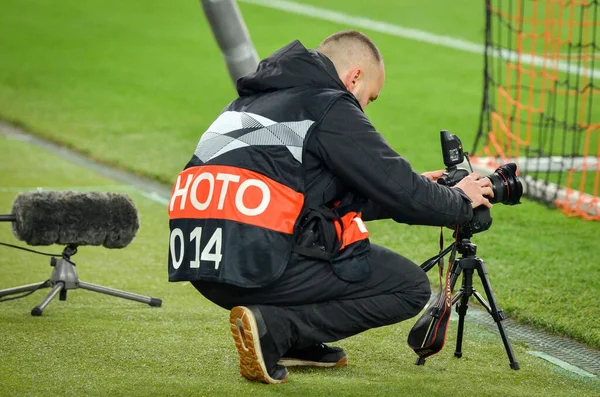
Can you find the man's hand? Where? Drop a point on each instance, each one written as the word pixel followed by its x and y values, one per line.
pixel 476 189
pixel 433 175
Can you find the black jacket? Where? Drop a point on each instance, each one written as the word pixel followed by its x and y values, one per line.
pixel 299 135
pixel 345 153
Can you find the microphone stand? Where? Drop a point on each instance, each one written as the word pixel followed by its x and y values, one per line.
pixel 64 277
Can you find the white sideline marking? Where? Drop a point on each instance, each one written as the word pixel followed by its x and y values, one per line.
pixel 562 364
pixel 413 34
pixel 154 196
pixel 19 189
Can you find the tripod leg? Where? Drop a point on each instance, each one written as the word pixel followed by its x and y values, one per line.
pixel 37 311
pixel 457 297
pixel 497 315
pixel 465 292
pixel 484 303
pixel 121 294
pixel 24 288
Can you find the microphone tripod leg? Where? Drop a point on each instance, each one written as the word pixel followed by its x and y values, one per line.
pixel 58 287
pixel 25 288
pixel 121 294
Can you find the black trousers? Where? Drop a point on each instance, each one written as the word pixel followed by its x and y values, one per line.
pixel 309 304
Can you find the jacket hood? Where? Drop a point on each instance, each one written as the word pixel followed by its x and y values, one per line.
pixel 291 66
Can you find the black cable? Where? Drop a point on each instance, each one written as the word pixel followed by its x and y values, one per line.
pixel 469 161
pixel 29 250
pixel 41 284
pixel 26 294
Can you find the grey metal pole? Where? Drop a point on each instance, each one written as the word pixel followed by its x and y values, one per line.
pixel 231 34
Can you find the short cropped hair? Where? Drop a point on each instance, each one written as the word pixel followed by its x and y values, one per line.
pixel 351 35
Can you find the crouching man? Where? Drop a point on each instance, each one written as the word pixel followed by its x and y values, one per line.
pixel 267 218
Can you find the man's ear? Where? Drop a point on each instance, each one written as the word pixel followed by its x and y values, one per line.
pixel 352 78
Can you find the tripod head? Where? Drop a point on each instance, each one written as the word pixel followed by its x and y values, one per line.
pixel 466 248
pixel 481 221
pixel 463 245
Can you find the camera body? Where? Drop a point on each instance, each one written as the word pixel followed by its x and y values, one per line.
pixel 506 185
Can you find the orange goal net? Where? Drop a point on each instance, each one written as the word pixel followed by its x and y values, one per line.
pixel 541 105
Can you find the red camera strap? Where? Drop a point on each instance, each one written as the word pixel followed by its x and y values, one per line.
pixel 428 335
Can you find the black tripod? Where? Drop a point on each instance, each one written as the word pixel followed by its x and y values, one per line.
pixel 467 264
pixel 64 277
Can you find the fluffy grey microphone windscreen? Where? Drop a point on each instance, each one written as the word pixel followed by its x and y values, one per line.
pixel 80 218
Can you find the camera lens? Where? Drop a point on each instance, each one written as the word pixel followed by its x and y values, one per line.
pixel 506 185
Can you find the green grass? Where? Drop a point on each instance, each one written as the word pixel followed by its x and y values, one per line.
pixel 153 86
pixel 135 85
pixel 97 345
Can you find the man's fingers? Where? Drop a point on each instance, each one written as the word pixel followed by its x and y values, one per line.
pixel 484 182
pixel 487 203
pixel 433 175
pixel 487 191
pixel 478 190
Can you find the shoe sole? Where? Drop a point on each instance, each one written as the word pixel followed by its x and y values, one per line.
pixel 247 342
pixel 294 362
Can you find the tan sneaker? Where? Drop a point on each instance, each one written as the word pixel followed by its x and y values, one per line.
pixel 247 329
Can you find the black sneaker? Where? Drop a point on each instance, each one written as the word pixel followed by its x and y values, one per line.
pixel 319 355
pixel 250 333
